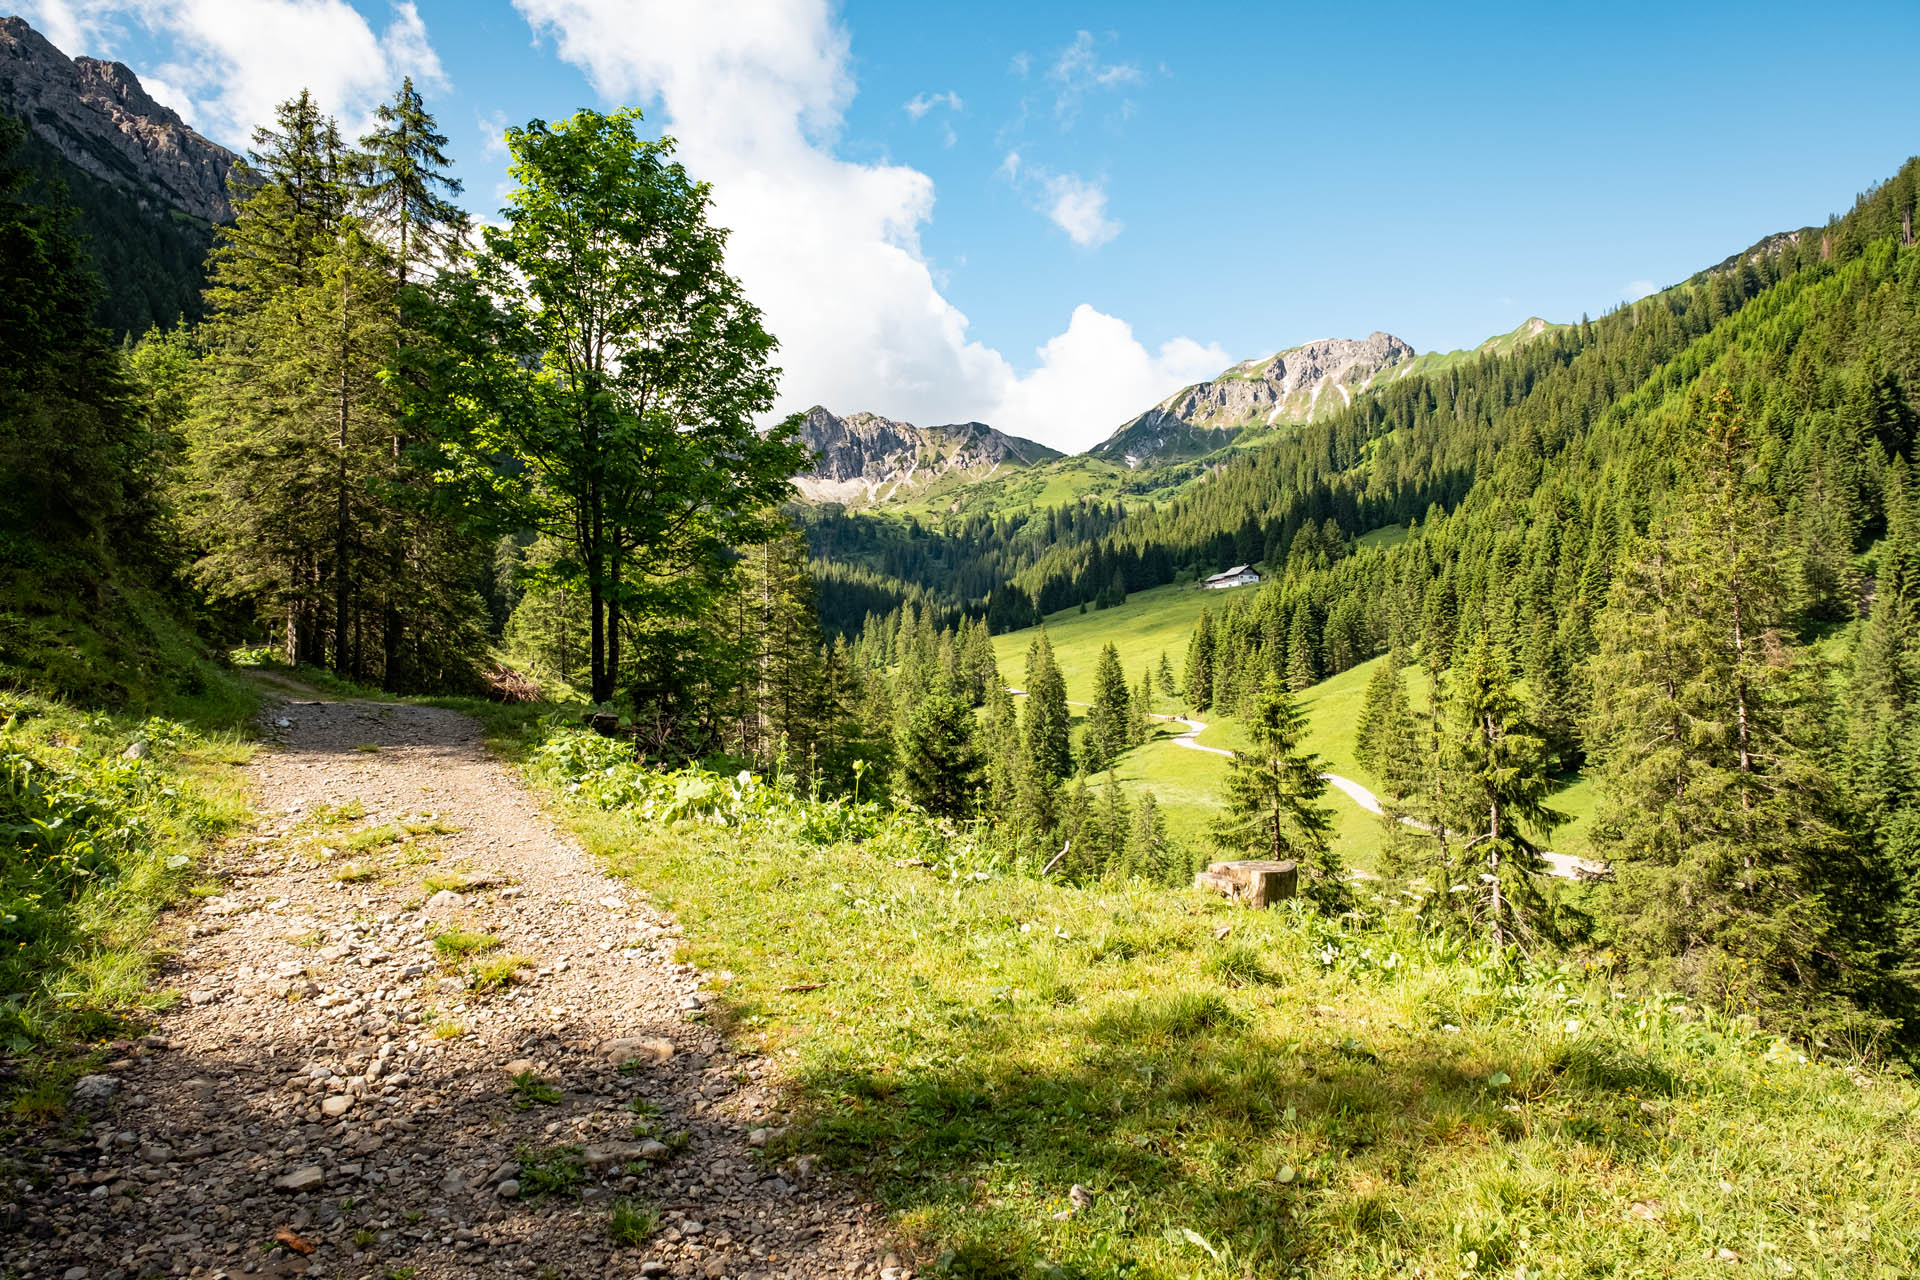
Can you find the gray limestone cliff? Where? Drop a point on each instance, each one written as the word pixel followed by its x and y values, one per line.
pixel 96 115
pixel 1294 385
pixel 863 458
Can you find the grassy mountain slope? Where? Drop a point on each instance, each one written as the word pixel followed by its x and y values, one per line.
pixel 1257 1093
pixel 1189 784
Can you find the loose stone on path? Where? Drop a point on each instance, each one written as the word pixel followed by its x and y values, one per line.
pixel 332 1076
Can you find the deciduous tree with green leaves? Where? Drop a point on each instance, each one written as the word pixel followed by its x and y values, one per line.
pixel 597 372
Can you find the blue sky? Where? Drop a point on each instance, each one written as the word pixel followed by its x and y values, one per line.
pixel 1049 216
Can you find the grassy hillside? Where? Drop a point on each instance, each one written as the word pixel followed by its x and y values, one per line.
pixel 1258 1094
pixel 1188 783
pixel 1149 623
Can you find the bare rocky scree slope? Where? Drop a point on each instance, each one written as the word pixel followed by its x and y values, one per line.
pixel 299 1084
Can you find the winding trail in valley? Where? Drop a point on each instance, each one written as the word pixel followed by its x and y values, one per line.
pixel 1565 865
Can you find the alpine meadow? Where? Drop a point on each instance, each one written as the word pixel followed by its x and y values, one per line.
pixel 518 759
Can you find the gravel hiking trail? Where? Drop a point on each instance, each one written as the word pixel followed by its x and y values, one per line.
pixel 331 1075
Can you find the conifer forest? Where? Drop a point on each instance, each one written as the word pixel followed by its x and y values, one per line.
pixel 1569 715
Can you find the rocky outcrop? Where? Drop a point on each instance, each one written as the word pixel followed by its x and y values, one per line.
pixel 865 458
pixel 96 115
pixel 1293 386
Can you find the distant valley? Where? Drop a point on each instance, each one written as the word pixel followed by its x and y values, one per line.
pixel 864 460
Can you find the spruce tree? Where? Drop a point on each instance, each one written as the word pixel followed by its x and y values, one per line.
pixel 1150 854
pixel 1273 795
pixel 982 671
pixel 1303 664
pixel 1076 834
pixel 1000 740
pixel 408 190
pixel 1109 724
pixel 1164 674
pixel 1385 689
pixel 1199 676
pixel 1714 807
pixel 1115 825
pixel 1140 711
pixel 73 457
pixel 406 200
pixel 940 765
pixel 1046 722
pixel 1495 810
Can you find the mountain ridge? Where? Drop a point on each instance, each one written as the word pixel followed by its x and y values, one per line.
pixel 864 458
pixel 146 189
pixel 102 121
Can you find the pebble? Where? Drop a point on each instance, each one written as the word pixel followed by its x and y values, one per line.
pixel 309 1178
pixel 95 1088
pixel 653 1049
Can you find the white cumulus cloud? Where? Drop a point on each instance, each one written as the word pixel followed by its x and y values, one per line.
pixel 226 64
pixel 1094 377
pixel 921 103
pixel 829 249
pixel 1079 208
pixel 1634 290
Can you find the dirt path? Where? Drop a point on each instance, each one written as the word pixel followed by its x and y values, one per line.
pixel 309 1080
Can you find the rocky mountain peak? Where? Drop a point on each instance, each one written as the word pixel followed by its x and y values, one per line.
pixel 96 114
pixel 865 458
pixel 1294 385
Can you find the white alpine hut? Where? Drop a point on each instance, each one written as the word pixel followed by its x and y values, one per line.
pixel 1241 575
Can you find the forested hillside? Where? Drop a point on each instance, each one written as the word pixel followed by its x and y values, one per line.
pixel 1669 546
pixel 926 790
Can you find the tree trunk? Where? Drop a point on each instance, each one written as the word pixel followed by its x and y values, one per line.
pixel 340 578
pixel 613 618
pixel 601 686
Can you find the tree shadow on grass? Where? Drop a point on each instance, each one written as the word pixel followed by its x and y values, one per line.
pixel 1210 1148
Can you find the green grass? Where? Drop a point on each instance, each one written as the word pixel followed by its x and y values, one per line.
pixel 495 973
pixel 94 844
pixel 458 944
pixel 1383 539
pixel 1298 1097
pixel 1149 623
pixel 632 1222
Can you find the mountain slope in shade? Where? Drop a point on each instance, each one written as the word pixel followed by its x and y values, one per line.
pixel 100 120
pixel 863 459
pixel 147 189
pixel 1291 386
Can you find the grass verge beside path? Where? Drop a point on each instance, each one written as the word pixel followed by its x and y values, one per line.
pixel 104 821
pixel 1261 1094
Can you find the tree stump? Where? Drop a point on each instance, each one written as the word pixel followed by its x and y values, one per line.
pixel 1256 882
